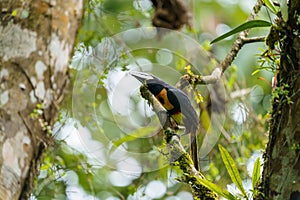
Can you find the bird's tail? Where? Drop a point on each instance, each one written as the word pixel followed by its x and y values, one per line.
pixel 194 149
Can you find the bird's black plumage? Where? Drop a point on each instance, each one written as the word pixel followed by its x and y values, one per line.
pixel 180 103
pixel 175 102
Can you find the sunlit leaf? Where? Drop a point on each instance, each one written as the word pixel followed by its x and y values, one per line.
pixel 44 167
pixel 215 188
pixel 232 169
pixel 245 26
pixel 256 172
pixel 255 72
pixel 270 5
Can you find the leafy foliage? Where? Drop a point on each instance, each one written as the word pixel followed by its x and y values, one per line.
pixel 232 169
pixel 256 174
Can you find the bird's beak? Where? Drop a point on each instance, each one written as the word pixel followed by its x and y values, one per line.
pixel 142 77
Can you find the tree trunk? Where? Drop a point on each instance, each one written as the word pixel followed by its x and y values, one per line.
pixel 36 41
pixel 281 174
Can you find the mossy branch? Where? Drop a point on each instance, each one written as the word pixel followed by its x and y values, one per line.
pixel 178 156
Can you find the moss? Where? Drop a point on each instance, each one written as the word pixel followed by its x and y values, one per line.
pixel 180 158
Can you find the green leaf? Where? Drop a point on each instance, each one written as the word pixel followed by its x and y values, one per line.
pixel 256 173
pixel 255 72
pixel 44 167
pixel 245 26
pixel 215 188
pixel 232 169
pixel 270 5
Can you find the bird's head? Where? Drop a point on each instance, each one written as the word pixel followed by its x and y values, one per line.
pixel 153 84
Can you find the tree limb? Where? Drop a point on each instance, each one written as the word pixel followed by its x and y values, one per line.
pixel 230 56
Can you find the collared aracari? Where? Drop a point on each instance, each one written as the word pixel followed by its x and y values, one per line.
pixel 177 104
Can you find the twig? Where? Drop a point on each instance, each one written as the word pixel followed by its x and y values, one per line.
pixel 254 39
pixel 239 42
pixel 235 48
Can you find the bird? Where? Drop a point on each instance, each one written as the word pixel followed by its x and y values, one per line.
pixel 177 105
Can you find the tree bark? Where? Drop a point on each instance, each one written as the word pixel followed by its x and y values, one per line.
pixel 36 42
pixel 281 173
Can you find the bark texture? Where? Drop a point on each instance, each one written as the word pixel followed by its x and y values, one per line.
pixel 36 41
pixel 281 174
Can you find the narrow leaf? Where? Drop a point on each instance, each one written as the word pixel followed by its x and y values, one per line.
pixel 215 188
pixel 256 172
pixel 255 72
pixel 245 26
pixel 232 169
pixel 270 5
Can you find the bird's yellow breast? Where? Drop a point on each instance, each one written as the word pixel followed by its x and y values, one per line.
pixel 162 97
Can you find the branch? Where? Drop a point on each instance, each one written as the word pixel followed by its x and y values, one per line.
pixel 190 175
pixel 239 42
pixel 235 48
pixel 254 39
pixel 178 156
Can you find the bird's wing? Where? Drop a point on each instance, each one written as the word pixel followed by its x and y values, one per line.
pixel 190 117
